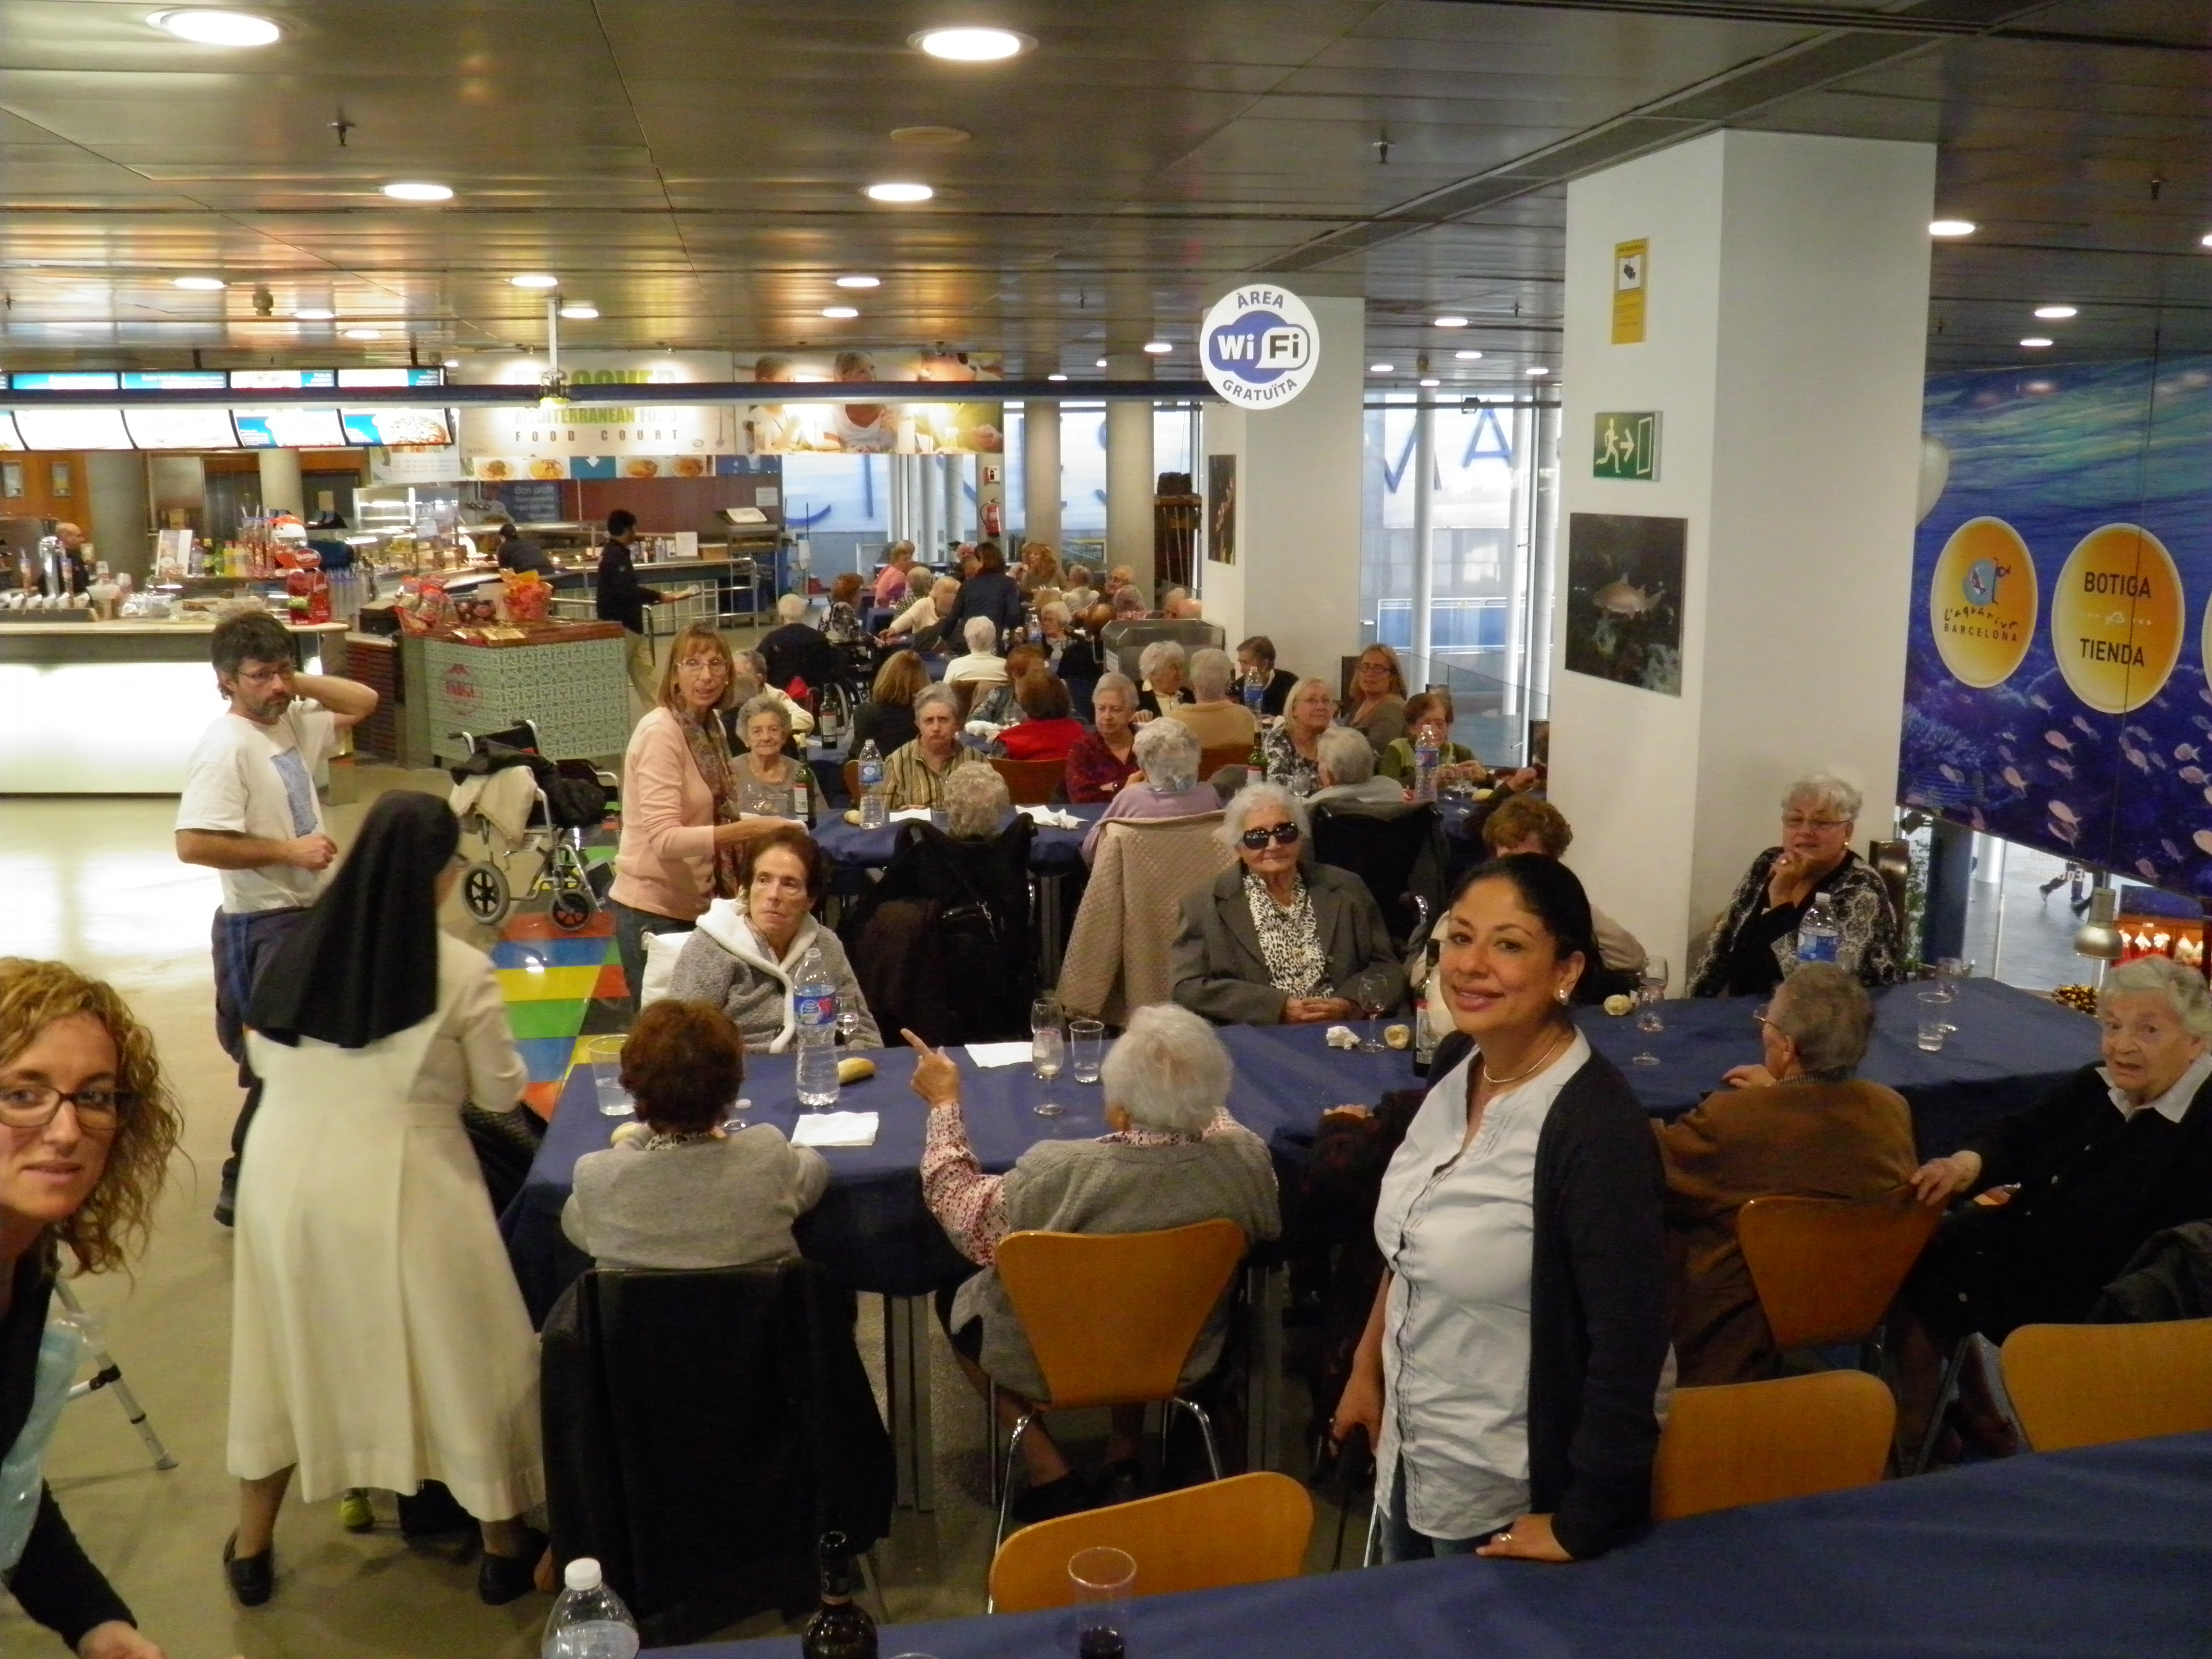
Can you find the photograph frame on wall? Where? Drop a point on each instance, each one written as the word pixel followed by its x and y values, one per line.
pixel 1221 509
pixel 61 480
pixel 11 480
pixel 1625 584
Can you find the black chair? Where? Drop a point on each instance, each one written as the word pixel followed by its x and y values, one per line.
pixel 1399 852
pixel 703 1430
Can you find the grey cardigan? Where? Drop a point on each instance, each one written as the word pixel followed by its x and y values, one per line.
pixel 715 1203
pixel 1220 973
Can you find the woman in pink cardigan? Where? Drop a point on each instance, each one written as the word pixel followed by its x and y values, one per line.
pixel 679 803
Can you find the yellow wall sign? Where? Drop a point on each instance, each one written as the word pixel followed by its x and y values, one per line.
pixel 2117 617
pixel 1630 260
pixel 1982 602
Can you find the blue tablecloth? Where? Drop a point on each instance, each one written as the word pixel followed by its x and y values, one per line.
pixel 848 847
pixel 2105 1552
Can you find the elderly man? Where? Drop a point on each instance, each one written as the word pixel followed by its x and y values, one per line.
pixel 1179 606
pixel 752 680
pixel 1214 719
pixel 1797 1125
pixel 795 651
pixel 76 574
pixel 914 776
pixel 1173 1158
pixel 1256 655
pixel 1349 778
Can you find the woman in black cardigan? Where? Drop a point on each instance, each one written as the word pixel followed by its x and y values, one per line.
pixel 1510 1369
pixel 86 1129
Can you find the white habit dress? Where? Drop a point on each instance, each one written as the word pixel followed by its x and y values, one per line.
pixel 377 1337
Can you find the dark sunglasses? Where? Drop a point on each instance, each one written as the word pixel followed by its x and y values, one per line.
pixel 1282 834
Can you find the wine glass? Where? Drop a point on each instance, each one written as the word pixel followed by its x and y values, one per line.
pixel 848 1025
pixel 1371 990
pixel 1650 992
pixel 1047 1049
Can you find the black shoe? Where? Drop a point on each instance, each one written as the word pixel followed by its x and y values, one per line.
pixel 1065 1496
pixel 226 1199
pixel 1122 1481
pixel 253 1578
pixel 504 1578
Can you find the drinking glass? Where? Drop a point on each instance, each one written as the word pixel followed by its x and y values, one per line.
pixel 1086 1043
pixel 1371 991
pixel 1932 1028
pixel 1047 1050
pixel 1650 992
pixel 1102 1579
pixel 604 1055
pixel 735 1118
pixel 849 1026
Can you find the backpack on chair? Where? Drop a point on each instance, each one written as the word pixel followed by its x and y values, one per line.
pixel 944 945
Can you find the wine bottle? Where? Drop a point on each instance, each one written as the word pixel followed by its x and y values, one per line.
pixel 841 1628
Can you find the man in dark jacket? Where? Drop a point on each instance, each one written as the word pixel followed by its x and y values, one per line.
pixel 991 592
pixel 517 551
pixel 622 597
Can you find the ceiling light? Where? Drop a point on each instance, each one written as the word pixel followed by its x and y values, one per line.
pixel 859 281
pixel 419 190
pixel 452 362
pixel 1380 368
pixel 930 137
pixel 899 192
pixel 1101 363
pixel 200 284
pixel 1427 380
pixel 1451 322
pixel 314 314
pixel 971 45
pixel 2056 314
pixel 1537 368
pixel 842 313
pixel 1466 357
pixel 217 28
pixel 1158 348
pixel 582 311
pixel 1055 377
pixel 364 333
pixel 535 279
pixel 2205 241
pixel 2035 342
pixel 1953 227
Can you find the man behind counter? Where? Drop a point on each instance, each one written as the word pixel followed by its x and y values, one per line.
pixel 622 598
pixel 518 552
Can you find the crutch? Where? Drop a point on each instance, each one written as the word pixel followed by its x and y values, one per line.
pixel 110 1375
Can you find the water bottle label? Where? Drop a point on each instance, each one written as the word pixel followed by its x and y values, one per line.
pixel 1816 945
pixel 872 774
pixel 816 1006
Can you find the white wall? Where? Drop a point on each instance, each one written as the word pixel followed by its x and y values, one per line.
pixel 1785 344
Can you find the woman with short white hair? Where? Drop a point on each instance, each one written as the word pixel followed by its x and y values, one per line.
pixel 1104 762
pixel 982 663
pixel 1214 719
pixel 1173 1158
pixel 1273 940
pixel 1162 664
pixel 1167 760
pixel 1293 746
pixel 1754 946
pixel 926 621
pixel 1347 773
pixel 975 800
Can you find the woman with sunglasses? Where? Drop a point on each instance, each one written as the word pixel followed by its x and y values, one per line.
pixel 1272 942
pixel 86 1126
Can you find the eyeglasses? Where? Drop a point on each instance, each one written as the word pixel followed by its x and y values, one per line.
pixel 1282 834
pixel 704 664
pixel 1799 820
pixel 1763 1015
pixel 34 1105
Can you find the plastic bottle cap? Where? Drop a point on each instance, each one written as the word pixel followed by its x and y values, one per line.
pixel 582 1574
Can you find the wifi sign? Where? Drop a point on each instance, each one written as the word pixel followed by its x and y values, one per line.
pixel 1260 347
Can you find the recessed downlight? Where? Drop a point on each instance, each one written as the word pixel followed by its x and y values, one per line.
pixel 841 314
pixel 859 281
pixel 2036 341
pixel 314 314
pixel 2056 314
pixel 971 45
pixel 199 284
pixel 1158 348
pixel 1055 377
pixel 535 279
pixel 1537 369
pixel 895 190
pixel 1952 228
pixel 1101 363
pixel 1430 380
pixel 583 312
pixel 418 189
pixel 207 27
pixel 363 333
pixel 452 362
pixel 1468 356
pixel 1449 321
pixel 1381 369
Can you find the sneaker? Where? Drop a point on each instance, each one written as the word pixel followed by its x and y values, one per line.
pixel 354 1513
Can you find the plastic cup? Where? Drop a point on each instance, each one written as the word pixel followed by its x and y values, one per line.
pixel 1101 1580
pixel 604 1055
pixel 1932 1027
pixel 1086 1042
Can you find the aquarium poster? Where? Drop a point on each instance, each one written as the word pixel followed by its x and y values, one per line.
pixel 2056 688
pixel 1625 599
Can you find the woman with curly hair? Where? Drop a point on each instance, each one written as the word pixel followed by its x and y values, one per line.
pixel 86 1126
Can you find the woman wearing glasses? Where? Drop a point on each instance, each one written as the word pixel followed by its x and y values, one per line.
pixel 86 1126
pixel 1754 944
pixel 1269 942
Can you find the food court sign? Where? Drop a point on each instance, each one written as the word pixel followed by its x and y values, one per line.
pixel 1260 346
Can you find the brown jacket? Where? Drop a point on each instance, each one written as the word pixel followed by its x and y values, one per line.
pixel 1803 1140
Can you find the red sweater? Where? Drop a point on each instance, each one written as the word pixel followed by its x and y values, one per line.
pixel 1041 739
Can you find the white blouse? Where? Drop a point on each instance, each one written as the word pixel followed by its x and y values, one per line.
pixel 1458 1230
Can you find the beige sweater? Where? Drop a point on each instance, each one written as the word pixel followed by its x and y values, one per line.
pixel 1118 955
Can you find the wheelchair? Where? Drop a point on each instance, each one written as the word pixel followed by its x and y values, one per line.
pixel 554 836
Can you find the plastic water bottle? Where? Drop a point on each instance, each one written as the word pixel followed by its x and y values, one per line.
pixel 814 1006
pixel 875 809
pixel 1426 758
pixel 1256 690
pixel 1817 933
pixel 589 1621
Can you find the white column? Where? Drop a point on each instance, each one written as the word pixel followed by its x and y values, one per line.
pixel 1129 475
pixel 1040 489
pixel 1424 536
pixel 1786 308
pixel 281 490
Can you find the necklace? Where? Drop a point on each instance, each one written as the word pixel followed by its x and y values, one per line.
pixel 1542 1060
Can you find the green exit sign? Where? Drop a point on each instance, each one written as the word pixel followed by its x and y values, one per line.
pixel 1626 446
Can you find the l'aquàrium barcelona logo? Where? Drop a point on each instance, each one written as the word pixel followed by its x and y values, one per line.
pixel 1260 346
pixel 1982 602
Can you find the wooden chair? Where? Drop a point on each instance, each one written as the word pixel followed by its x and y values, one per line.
pixel 1211 760
pixel 1112 1318
pixel 1752 1443
pixel 2087 1385
pixel 1247 1529
pixel 852 782
pixel 1826 1270
pixel 1030 782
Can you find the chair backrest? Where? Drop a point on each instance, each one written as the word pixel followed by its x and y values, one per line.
pixel 1752 1443
pixel 1213 757
pixel 1111 1317
pixel 1118 952
pixel 852 769
pixel 1030 782
pixel 1385 850
pixel 1247 1529
pixel 2086 1385
pixel 1892 861
pixel 1827 1270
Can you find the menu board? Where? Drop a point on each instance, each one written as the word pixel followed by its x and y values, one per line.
pixel 72 428
pixel 282 379
pixel 180 429
pixel 176 379
pixel 397 427
pixel 8 440
pixel 362 379
pixel 289 429
pixel 22 382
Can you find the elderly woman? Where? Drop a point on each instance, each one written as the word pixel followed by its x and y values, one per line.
pixel 86 1126
pixel 1347 774
pixel 1167 784
pixel 1429 716
pixel 977 802
pixel 893 580
pixel 914 776
pixel 982 661
pixel 1067 654
pixel 843 624
pixel 688 1192
pixel 1040 567
pixel 1293 748
pixel 926 624
pixel 1102 764
pixel 1173 1158
pixel 1797 1125
pixel 1378 698
pixel 747 950
pixel 996 705
pixel 1049 730
pixel 1523 824
pixel 1079 594
pixel 886 720
pixel 1215 719
pixel 1161 664
pixel 1508 1373
pixel 771 783
pixel 1754 944
pixel 1269 942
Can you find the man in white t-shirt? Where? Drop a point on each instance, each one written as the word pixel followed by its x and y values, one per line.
pixel 250 811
